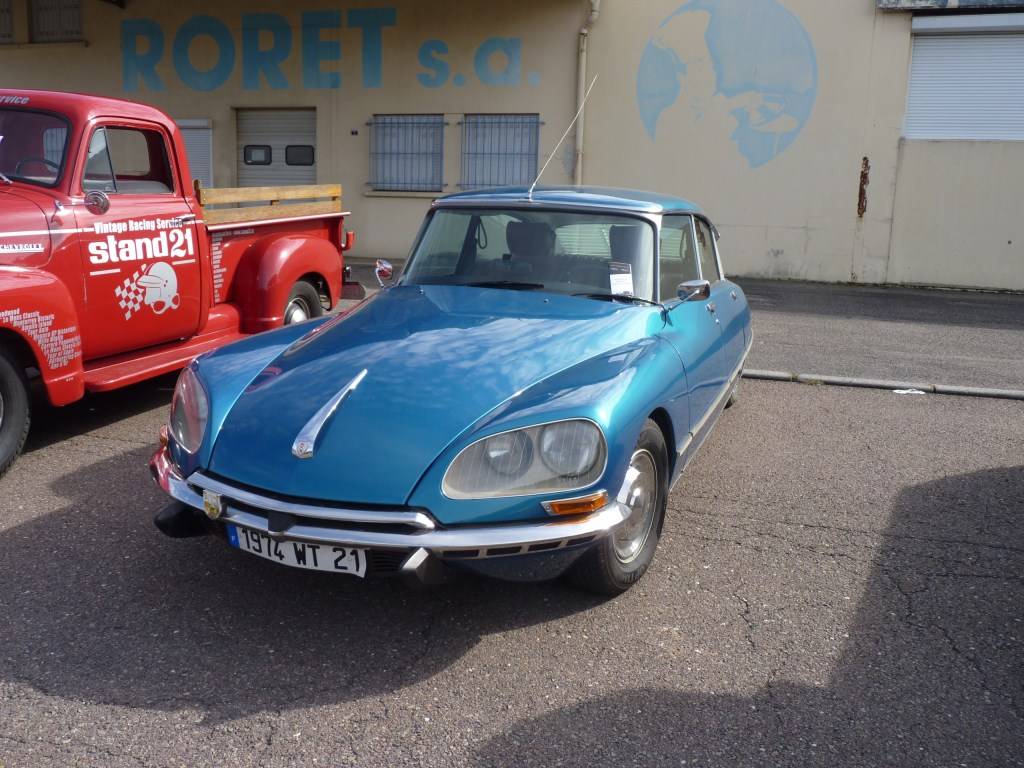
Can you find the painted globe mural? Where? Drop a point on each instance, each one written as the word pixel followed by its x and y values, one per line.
pixel 747 64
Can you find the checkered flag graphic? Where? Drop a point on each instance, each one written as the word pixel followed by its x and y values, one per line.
pixel 130 295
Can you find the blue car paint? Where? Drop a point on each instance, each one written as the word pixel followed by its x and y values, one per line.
pixel 451 364
pixel 225 373
pixel 604 198
pixel 439 358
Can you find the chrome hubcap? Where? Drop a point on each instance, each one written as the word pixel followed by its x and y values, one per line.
pixel 296 311
pixel 632 534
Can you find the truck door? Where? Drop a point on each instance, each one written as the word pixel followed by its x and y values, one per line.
pixel 139 244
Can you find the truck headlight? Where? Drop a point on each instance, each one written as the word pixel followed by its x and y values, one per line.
pixel 190 411
pixel 550 458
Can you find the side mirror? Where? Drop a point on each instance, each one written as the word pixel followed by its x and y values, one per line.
pixel 694 290
pixel 97 202
pixel 384 272
pixel 348 241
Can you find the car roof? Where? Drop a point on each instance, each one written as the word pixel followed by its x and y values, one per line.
pixel 605 198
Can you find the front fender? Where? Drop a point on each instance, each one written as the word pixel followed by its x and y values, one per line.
pixel 617 390
pixel 39 310
pixel 269 269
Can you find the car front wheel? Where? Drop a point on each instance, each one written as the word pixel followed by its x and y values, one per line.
pixel 618 562
pixel 303 303
pixel 14 410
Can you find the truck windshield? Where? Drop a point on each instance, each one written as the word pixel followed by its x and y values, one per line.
pixel 32 146
pixel 579 253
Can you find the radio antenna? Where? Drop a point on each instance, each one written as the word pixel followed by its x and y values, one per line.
pixel 529 195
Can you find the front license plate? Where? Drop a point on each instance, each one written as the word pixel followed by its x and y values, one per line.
pixel 299 554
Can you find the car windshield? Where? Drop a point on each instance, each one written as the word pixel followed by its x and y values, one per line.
pixel 571 252
pixel 32 146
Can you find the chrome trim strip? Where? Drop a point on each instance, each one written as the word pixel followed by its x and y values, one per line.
pixel 479 539
pixel 336 514
pixel 305 442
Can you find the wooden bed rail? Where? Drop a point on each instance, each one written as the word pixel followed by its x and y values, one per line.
pixel 313 196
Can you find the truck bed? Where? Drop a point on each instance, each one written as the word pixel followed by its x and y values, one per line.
pixel 221 205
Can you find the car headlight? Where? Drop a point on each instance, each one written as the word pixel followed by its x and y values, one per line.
pixel 562 456
pixel 190 411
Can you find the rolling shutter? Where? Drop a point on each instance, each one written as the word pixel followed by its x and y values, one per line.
pixel 277 129
pixel 198 136
pixel 966 86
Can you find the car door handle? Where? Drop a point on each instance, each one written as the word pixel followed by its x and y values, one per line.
pixel 733 295
pixel 711 306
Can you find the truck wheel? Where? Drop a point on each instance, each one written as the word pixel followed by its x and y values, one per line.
pixel 303 303
pixel 617 562
pixel 14 410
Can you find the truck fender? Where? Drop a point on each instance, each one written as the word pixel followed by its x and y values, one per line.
pixel 37 314
pixel 269 269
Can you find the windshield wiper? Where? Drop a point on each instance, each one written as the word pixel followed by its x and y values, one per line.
pixel 626 297
pixel 511 285
pixel 4 179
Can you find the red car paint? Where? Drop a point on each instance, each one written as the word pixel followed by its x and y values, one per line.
pixel 103 300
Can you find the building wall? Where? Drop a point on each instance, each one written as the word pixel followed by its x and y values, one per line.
pixel 416 75
pixel 782 118
pixel 967 232
pixel 786 197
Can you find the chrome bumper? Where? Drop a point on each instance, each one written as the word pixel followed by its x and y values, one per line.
pixel 374 529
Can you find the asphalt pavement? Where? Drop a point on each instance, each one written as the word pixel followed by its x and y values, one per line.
pixel 839 584
pixel 962 338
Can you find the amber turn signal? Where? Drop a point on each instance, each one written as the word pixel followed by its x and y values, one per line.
pixel 581 505
pixel 164 436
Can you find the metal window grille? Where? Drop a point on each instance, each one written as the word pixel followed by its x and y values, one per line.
pixel 499 150
pixel 407 153
pixel 56 21
pixel 6 21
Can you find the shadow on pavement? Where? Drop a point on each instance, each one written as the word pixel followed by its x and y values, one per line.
pixel 932 673
pixel 52 425
pixel 98 606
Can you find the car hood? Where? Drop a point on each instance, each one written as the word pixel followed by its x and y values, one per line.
pixel 24 231
pixel 438 360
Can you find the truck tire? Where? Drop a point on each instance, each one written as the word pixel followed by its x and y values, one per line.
pixel 14 410
pixel 303 303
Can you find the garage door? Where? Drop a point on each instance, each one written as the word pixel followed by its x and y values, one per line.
pixel 198 137
pixel 967 78
pixel 276 147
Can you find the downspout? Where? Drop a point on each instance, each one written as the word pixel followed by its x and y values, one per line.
pixel 581 86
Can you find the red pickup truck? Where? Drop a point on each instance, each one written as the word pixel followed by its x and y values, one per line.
pixel 113 269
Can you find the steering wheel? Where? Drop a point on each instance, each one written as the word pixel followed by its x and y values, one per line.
pixel 43 160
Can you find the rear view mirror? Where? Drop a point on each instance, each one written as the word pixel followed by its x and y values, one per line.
pixel 694 290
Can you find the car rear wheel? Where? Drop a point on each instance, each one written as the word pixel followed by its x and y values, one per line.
pixel 618 562
pixel 14 410
pixel 303 303
pixel 734 396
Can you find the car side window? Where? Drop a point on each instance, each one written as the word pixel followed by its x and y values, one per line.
pixel 706 248
pixel 677 255
pixel 128 161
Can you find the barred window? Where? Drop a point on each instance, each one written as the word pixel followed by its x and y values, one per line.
pixel 499 150
pixel 6 22
pixel 407 153
pixel 56 21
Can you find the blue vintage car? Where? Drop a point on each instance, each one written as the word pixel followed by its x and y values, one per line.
pixel 518 403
